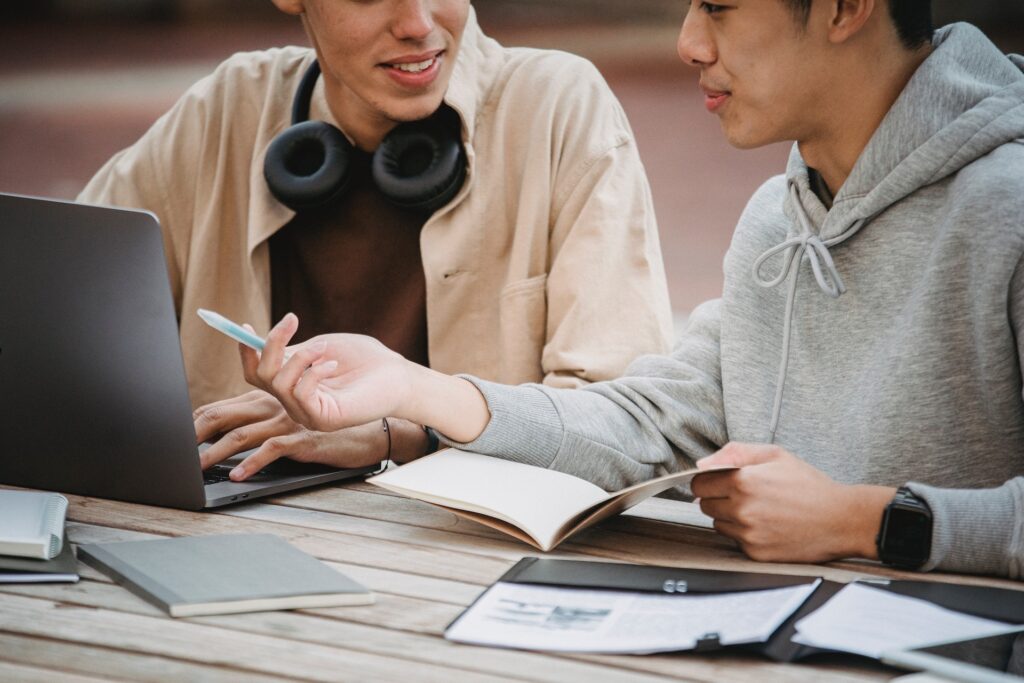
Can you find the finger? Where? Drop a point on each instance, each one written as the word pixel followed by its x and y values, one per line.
pixel 714 485
pixel 250 365
pixel 237 440
pixel 730 529
pixel 271 450
pixel 722 509
pixel 273 355
pixel 737 454
pixel 306 396
pixel 223 416
pixel 283 384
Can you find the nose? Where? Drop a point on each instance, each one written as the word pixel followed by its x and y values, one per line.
pixel 413 20
pixel 695 46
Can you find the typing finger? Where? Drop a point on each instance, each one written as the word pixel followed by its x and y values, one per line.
pixel 237 440
pixel 271 450
pixel 223 416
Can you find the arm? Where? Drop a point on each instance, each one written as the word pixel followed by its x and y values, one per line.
pixel 613 433
pixel 982 531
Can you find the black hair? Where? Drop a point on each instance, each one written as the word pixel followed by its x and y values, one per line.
pixel 913 19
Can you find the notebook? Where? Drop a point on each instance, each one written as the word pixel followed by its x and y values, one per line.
pixel 61 569
pixel 223 574
pixel 32 524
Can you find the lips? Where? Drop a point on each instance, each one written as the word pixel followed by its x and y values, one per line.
pixel 415 71
pixel 714 99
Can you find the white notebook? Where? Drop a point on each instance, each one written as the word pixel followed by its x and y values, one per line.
pixel 32 523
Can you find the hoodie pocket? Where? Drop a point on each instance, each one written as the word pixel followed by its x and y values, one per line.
pixel 523 311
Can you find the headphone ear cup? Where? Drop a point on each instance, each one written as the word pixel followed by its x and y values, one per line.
pixel 308 165
pixel 420 166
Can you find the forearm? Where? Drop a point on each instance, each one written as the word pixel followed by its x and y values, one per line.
pixel 977 531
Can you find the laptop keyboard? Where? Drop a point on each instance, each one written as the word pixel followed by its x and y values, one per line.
pixel 216 475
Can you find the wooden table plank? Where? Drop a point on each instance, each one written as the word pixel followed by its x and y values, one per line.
pixel 31 674
pixel 110 665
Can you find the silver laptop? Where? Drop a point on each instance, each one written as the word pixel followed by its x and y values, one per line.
pixel 93 396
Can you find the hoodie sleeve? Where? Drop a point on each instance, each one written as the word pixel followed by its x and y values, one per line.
pixel 982 531
pixel 664 414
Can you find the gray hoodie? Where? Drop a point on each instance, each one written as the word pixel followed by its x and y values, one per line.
pixel 880 341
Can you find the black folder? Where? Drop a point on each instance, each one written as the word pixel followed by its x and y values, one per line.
pixel 992 603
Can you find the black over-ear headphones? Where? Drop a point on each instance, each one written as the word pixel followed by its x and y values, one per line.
pixel 419 166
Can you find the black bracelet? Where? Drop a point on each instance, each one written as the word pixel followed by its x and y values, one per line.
pixel 433 442
pixel 387 430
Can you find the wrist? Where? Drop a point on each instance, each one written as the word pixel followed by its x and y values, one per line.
pixel 408 440
pixel 451 405
pixel 865 506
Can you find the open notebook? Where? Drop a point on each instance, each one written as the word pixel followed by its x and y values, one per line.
pixel 536 505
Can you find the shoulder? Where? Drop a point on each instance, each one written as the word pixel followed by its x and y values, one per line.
pixel 989 194
pixel 559 89
pixel 249 76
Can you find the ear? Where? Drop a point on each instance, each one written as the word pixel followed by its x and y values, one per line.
pixel 293 7
pixel 848 17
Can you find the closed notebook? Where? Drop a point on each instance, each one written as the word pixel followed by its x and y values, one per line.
pixel 32 523
pixel 61 569
pixel 199 575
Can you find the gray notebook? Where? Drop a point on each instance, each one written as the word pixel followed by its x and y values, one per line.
pixel 197 575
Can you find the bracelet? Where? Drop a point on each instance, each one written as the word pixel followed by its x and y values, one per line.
pixel 433 442
pixel 387 430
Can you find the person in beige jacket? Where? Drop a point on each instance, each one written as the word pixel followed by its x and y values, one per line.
pixel 544 267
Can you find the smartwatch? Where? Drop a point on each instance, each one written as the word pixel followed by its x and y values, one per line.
pixel 905 538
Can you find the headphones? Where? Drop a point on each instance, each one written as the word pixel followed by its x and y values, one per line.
pixel 419 166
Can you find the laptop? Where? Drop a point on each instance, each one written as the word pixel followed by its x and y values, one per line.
pixel 93 394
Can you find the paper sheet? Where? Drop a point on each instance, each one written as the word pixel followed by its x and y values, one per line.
pixel 575 620
pixel 869 621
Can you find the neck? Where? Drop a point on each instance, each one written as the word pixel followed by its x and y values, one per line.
pixel 364 129
pixel 856 110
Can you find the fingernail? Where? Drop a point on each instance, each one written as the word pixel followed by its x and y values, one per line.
pixel 329 366
pixel 318 347
pixel 237 473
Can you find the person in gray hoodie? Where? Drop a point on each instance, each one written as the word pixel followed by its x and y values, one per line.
pixel 863 365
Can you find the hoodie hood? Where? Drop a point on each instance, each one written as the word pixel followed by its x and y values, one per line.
pixel 965 100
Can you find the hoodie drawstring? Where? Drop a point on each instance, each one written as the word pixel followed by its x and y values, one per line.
pixel 806 245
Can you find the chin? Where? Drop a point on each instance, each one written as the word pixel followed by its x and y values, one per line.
pixel 746 139
pixel 407 109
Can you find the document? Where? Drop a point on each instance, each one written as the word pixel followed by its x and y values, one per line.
pixel 868 621
pixel 574 620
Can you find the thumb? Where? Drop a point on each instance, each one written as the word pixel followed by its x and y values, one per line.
pixel 736 454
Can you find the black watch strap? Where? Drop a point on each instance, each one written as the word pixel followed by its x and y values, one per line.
pixel 905 537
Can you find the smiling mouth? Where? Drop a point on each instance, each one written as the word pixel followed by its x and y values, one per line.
pixel 416 67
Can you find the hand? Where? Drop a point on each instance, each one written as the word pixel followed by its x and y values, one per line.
pixel 329 382
pixel 780 509
pixel 342 380
pixel 258 419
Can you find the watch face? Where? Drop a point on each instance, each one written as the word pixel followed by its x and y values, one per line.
pixel 908 535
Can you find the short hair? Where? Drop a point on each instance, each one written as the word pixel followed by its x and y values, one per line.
pixel 913 19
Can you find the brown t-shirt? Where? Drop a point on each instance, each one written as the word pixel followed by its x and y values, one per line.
pixel 353 266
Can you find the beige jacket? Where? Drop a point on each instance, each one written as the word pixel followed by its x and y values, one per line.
pixel 545 268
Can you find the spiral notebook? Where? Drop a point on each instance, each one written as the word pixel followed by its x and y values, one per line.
pixel 32 524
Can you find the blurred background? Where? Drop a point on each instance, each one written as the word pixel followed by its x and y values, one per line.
pixel 81 79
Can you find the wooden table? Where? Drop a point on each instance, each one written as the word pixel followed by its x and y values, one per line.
pixel 424 564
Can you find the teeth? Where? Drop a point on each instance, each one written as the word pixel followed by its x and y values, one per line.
pixel 416 67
